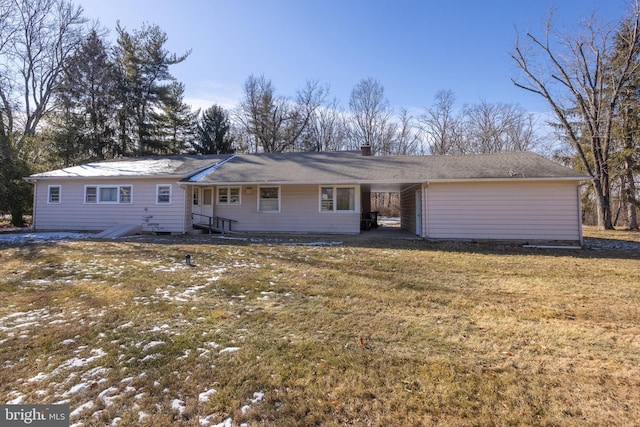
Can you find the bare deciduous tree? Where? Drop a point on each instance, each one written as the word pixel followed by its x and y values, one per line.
pixel 575 78
pixel 36 38
pixel 50 31
pixel 495 128
pixel 440 124
pixel 371 115
pixel 407 139
pixel 328 128
pixel 276 123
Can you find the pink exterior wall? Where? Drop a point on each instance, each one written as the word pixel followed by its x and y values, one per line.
pixel 299 212
pixel 526 210
pixel 72 213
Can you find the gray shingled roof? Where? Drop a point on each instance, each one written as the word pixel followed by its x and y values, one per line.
pixel 352 167
pixel 345 167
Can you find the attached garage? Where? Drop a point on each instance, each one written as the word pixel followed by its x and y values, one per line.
pixel 524 210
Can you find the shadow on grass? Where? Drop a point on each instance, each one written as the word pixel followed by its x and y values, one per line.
pixel 594 247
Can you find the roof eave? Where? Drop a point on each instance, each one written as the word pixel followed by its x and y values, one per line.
pixel 505 179
pixel 403 181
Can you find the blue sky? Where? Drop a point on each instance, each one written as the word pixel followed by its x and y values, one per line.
pixel 414 48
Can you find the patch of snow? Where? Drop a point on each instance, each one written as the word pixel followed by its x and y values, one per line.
pixel 78 362
pixel 12 238
pixel 229 350
pixel 80 409
pixel 75 389
pixel 116 168
pixel 204 397
pixel 107 392
pixel 39 377
pixel 178 405
pixel 68 341
pixel 152 344
pixel 116 421
pixel 142 415
pixel 150 357
pixel 226 423
pixel 313 244
pixel 95 372
pixel 258 396
pixel 17 400
pixel 245 409
pixel 206 421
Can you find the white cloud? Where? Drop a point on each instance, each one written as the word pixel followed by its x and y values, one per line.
pixel 204 94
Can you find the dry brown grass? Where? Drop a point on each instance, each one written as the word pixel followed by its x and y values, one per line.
pixel 363 333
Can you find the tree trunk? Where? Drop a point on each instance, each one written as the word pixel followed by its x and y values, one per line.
pixel 17 217
pixel 630 194
pixel 603 206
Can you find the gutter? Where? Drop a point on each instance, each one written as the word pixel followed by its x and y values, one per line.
pixel 514 179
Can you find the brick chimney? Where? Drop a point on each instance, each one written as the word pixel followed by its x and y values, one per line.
pixel 366 150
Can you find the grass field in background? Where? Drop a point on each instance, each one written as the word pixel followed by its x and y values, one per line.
pixel 323 331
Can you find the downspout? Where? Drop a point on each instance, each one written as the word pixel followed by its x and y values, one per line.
pixel 184 209
pixel 425 211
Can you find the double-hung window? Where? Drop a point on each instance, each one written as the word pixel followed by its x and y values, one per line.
pixel 108 194
pixel 337 199
pixel 228 195
pixel 269 199
pixel 54 194
pixel 163 194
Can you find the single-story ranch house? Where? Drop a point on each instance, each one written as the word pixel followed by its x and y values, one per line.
pixel 507 196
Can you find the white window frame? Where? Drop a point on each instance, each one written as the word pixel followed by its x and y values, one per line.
pixel 130 187
pixel 49 200
pixel 334 199
pixel 227 190
pixel 260 188
pixel 195 196
pixel 118 201
pixel 158 187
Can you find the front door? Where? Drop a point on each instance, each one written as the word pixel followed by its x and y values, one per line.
pixel 207 204
pixel 202 204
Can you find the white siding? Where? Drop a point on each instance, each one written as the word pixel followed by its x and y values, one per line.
pixel 503 210
pixel 299 212
pixel 74 214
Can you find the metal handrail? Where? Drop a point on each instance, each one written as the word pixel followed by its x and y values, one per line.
pixel 218 220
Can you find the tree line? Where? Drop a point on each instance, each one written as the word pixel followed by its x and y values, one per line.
pixel 70 96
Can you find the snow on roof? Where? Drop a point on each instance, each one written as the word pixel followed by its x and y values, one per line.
pixel 179 166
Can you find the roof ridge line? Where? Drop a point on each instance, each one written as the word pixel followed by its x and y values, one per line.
pixel 206 171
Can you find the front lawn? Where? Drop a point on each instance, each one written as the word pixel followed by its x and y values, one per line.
pixel 290 332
